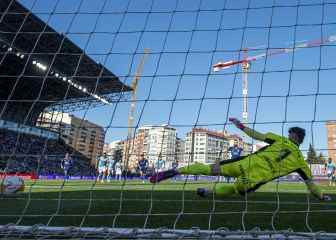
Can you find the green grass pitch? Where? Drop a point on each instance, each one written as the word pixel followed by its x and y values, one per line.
pixel 84 203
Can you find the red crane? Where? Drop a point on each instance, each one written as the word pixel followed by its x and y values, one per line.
pixel 246 62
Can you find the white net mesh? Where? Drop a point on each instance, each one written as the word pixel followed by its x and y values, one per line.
pixel 161 78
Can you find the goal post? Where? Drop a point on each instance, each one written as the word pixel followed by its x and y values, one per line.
pixel 160 233
pixel 85 133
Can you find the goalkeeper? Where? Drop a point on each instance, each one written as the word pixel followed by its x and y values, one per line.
pixel 279 158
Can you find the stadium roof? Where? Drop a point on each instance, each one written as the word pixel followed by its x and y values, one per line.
pixel 28 47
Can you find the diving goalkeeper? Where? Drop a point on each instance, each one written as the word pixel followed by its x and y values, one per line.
pixel 279 158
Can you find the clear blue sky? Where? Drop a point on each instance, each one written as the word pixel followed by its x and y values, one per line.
pixel 116 35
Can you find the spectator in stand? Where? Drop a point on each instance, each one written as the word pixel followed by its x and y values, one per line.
pixel 29 149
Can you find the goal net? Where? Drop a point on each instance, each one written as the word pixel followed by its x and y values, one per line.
pixel 97 96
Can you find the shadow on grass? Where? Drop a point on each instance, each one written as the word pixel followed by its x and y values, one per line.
pixel 139 208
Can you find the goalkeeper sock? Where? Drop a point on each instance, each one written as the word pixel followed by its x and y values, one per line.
pixel 163 175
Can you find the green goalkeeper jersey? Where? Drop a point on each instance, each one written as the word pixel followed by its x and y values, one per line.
pixel 281 157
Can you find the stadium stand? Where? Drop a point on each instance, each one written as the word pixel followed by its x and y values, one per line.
pixel 41 69
pixel 26 153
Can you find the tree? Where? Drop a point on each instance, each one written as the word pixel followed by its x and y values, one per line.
pixel 321 159
pixel 311 155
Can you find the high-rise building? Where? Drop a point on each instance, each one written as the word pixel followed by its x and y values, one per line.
pixel 84 136
pixel 135 147
pixel 162 142
pixel 151 141
pixel 179 151
pixel 331 135
pixel 232 138
pixel 205 146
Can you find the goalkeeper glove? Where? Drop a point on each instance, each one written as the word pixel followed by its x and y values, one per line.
pixel 158 177
pixel 237 123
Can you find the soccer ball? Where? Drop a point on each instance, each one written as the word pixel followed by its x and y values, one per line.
pixel 11 185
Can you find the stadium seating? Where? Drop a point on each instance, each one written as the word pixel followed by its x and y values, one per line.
pixel 22 153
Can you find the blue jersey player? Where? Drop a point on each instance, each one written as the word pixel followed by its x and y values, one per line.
pixel 143 165
pixel 331 167
pixel 235 150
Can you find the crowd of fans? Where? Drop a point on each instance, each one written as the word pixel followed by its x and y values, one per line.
pixel 24 153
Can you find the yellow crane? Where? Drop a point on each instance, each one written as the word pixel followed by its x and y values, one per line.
pixel 134 86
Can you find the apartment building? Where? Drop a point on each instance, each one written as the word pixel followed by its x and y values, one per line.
pixel 205 146
pixel 84 136
pixel 162 141
pixel 179 151
pixel 151 141
pixel 331 139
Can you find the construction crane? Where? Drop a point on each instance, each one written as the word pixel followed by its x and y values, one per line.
pixel 134 86
pixel 246 63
